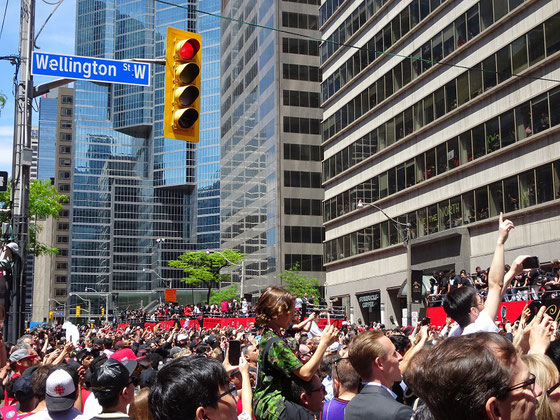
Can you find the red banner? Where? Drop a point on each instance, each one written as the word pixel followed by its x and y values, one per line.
pixel 437 314
pixel 220 323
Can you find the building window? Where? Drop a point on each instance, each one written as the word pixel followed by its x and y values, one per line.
pixel 305 152
pixel 62 226
pixel 66 112
pixel 526 189
pixel 63 188
pixel 65 136
pixel 301 98
pixel 299 20
pixel 62 266
pixel 60 292
pixel 61 279
pixel 65 149
pixel 301 72
pixel 62 239
pixel 67 99
pixel 302 179
pixel 64 124
pixel 302 125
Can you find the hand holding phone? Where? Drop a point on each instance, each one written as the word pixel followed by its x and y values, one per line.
pixel 234 352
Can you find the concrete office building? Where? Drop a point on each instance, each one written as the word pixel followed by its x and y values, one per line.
pixel 54 151
pixel 445 140
pixel 270 149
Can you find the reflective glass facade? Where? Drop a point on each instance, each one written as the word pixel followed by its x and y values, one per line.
pixel 208 148
pixel 130 185
pixel 46 159
pixel 259 116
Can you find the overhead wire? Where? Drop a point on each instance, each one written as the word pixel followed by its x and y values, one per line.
pixel 47 19
pixel 4 18
pixel 364 48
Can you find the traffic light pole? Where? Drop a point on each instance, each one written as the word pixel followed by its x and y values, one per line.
pixel 21 166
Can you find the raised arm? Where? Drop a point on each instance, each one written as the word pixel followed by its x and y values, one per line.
pixel 496 276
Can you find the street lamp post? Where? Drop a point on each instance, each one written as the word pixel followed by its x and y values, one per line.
pixel 88 301
pixel 164 281
pixel 106 301
pixel 242 265
pixel 406 243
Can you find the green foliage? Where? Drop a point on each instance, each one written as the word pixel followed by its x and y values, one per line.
pixel 202 268
pixel 2 100
pixel 227 293
pixel 44 201
pixel 299 284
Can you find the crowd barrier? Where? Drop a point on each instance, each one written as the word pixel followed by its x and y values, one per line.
pixel 508 311
pixel 214 322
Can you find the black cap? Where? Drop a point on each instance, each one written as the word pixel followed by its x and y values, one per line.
pixel 147 378
pixel 109 379
pixel 23 389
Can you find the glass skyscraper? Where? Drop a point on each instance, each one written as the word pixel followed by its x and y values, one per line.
pixel 131 186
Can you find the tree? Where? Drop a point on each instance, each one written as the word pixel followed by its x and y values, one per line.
pixel 203 267
pixel 227 293
pixel 299 284
pixel 44 201
pixel 2 100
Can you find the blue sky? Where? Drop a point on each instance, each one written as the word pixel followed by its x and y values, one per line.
pixel 56 37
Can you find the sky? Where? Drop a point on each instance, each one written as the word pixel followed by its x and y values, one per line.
pixel 56 37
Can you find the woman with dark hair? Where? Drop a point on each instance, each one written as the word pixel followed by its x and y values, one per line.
pixel 277 362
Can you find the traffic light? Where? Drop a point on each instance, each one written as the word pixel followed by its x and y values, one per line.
pixel 78 310
pixel 182 85
pixel 102 310
pixel 51 315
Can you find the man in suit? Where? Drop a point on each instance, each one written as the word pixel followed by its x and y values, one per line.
pixel 376 360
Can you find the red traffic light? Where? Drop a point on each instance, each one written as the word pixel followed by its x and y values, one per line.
pixel 189 48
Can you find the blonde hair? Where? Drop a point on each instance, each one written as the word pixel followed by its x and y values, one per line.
pixel 138 409
pixel 364 348
pixel 546 375
pixel 273 302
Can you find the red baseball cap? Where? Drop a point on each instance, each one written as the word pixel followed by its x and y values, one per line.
pixel 127 358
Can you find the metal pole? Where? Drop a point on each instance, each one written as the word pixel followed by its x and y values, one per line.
pixel 241 283
pixel 21 165
pixel 408 278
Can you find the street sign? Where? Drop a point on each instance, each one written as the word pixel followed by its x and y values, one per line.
pixel 3 181
pixel 170 295
pixel 90 69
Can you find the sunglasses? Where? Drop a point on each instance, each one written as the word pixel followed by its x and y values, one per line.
pixel 528 383
pixel 552 388
pixel 232 390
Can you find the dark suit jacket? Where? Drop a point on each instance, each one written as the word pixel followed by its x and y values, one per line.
pixel 374 402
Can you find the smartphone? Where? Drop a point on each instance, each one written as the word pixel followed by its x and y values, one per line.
pixel 426 321
pixel 531 262
pixel 234 352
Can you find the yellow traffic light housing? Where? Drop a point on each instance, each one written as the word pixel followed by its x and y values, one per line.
pixel 102 310
pixel 78 310
pixel 183 63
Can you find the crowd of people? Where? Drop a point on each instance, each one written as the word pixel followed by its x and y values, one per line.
pixel 534 284
pixel 284 366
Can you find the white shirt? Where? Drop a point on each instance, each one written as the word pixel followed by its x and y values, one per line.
pixel 382 386
pixel 92 407
pixel 482 324
pixel 71 414
pixel 314 331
